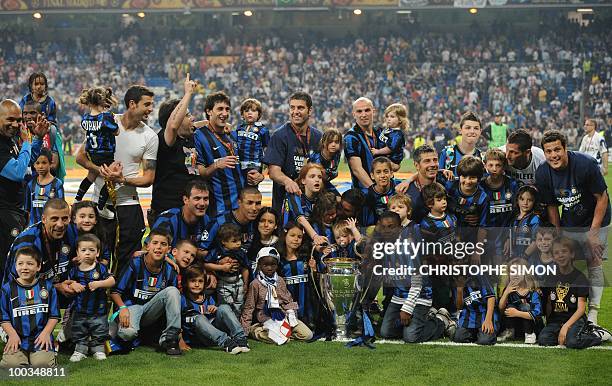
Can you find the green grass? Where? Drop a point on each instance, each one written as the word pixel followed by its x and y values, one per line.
pixel 331 363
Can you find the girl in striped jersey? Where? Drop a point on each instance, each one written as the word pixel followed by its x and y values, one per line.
pixel 524 225
pixel 42 188
pixel 328 156
pixel 298 208
pixel 294 268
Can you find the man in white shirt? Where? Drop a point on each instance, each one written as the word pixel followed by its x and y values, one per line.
pixel 137 144
pixel 523 158
pixel 594 145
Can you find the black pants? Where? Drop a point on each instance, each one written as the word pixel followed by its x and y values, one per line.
pixel 131 230
pixel 521 326
pixel 12 223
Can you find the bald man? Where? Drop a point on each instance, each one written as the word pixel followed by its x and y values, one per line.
pixel 359 142
pixel 13 166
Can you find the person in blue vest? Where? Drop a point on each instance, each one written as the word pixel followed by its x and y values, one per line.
pixel 290 148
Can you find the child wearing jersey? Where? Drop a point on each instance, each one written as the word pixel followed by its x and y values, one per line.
pixel 396 122
pixel 90 280
pixel 203 322
pixel 101 128
pixel 30 310
pixel 40 189
pixel 251 136
pixel 470 129
pixel 328 156
pixel 525 224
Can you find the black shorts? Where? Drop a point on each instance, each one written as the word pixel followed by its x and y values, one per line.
pixel 101 159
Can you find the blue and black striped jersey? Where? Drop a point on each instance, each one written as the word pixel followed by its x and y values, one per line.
pixel 37 195
pixel 48 107
pixel 376 203
pixel 172 222
pixel 28 309
pixel 296 274
pixel 190 310
pixel 251 141
pixel 88 302
pixel 226 183
pixel 101 130
pixel 394 140
pixel 476 292
pixel 295 206
pixel 331 169
pixel 138 285
pixel 55 254
pixel 523 233
pixel 530 302
pixel 442 229
pixel 500 202
pixel 358 144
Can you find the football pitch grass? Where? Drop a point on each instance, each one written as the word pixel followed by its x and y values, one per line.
pixel 330 363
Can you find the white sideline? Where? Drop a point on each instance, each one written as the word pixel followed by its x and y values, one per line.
pixel 513 345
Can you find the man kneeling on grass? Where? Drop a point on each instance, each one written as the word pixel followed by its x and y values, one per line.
pixel 146 291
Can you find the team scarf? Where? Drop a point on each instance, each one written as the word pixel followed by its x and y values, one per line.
pixel 272 306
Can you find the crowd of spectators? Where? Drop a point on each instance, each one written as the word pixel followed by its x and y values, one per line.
pixel 536 79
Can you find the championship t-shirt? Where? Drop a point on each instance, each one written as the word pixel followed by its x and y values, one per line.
pixel 573 188
pixel 290 153
pixel 566 289
pixel 527 176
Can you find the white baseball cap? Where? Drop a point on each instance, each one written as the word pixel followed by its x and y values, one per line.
pixel 267 251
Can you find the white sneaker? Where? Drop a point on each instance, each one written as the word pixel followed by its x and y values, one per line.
pixel 3 336
pixel 99 356
pixel 530 338
pixel 77 357
pixel 592 315
pixel 602 333
pixel 508 333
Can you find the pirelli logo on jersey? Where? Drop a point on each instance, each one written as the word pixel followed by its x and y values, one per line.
pixel 501 208
pixel 190 319
pixel 144 295
pixel 297 279
pixel 249 135
pixel 474 296
pixel 30 310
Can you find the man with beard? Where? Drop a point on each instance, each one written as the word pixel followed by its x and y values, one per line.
pixel 574 181
pixel 177 150
pixel 190 220
pixel 13 165
pixel 523 158
pixel 359 142
pixel 137 144
pixel 218 156
pixel 290 148
pixel 54 239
